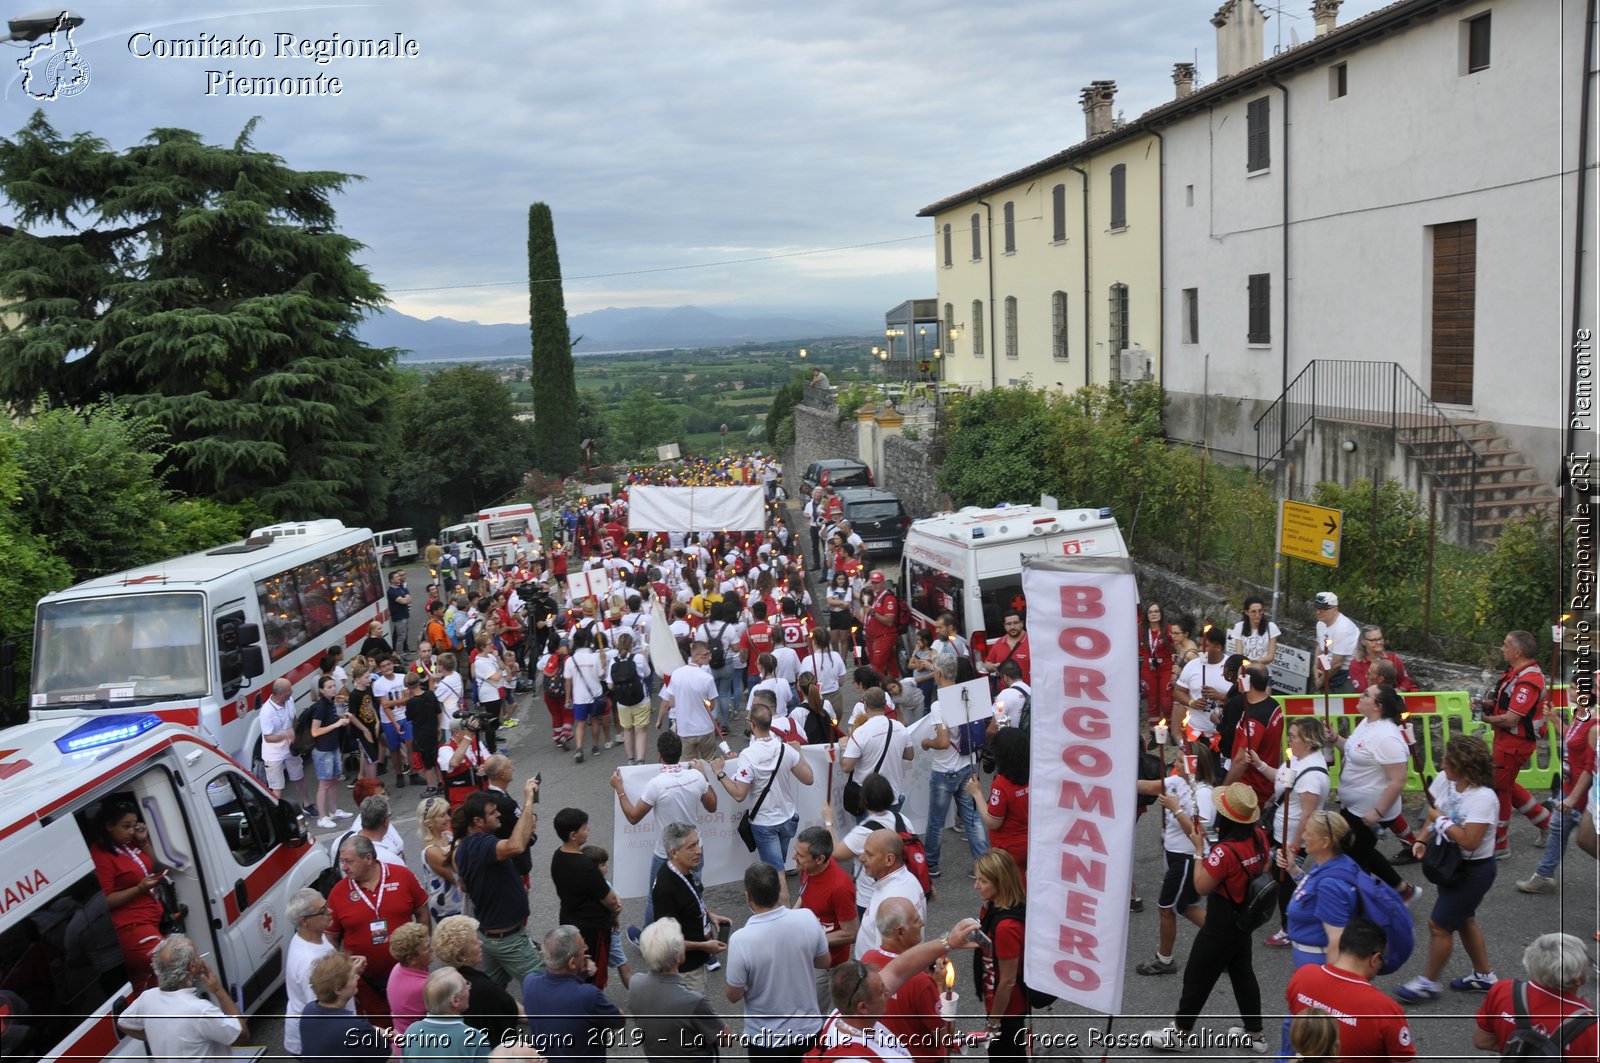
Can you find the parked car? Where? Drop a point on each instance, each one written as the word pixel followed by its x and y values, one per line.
pixel 840 472
pixel 878 517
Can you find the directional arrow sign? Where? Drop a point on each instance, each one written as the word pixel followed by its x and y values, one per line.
pixel 1311 533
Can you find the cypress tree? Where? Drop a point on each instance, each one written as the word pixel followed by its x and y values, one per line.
pixel 555 385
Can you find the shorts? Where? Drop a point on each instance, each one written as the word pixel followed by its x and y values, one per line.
pixel 1177 887
pixel 326 764
pixel 838 621
pixel 617 958
pixel 392 737
pixel 1457 904
pixel 294 768
pixel 427 747
pixel 581 710
pixel 635 715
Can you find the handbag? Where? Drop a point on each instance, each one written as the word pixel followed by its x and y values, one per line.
pixel 1442 863
pixel 747 826
pixel 851 799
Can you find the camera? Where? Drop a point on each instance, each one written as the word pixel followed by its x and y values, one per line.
pixel 473 718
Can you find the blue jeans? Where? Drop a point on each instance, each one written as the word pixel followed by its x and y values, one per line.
pixel 1561 825
pixel 772 843
pixel 942 786
pixel 730 690
pixel 656 864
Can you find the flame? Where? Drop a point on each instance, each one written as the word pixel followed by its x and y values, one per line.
pixel 1163 723
pixel 949 976
pixel 1206 630
pixel 1565 617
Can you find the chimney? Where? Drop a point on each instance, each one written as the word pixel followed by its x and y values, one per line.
pixel 1183 78
pixel 1097 107
pixel 1326 14
pixel 1241 36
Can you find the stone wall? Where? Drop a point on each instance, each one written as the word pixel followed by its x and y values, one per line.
pixel 909 472
pixel 816 436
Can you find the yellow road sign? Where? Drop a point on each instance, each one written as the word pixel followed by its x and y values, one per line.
pixel 1311 533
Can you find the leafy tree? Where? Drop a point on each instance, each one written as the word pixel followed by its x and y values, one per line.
pixel 29 568
pixel 555 390
pixel 644 422
pixel 1001 448
pixel 207 288
pixel 783 404
pixel 462 446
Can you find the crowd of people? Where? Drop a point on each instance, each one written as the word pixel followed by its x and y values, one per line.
pixel 408 952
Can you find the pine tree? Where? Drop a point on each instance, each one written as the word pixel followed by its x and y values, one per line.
pixel 205 287
pixel 555 386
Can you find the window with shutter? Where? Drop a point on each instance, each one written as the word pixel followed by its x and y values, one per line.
pixel 949 329
pixel 977 328
pixel 977 238
pixel 1191 315
pixel 1118 331
pixel 1058 324
pixel 1011 326
pixel 1453 337
pixel 1477 32
pixel 1058 213
pixel 1258 140
pixel 1260 330
pixel 1010 212
pixel 947 258
pixel 1119 196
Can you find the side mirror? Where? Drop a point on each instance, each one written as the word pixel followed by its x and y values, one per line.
pixel 251 662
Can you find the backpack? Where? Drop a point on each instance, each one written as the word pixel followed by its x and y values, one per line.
pixel 1380 903
pixel 302 742
pixel 1526 1042
pixel 916 855
pixel 1149 771
pixel 1260 894
pixel 555 680
pixel 626 686
pixel 719 652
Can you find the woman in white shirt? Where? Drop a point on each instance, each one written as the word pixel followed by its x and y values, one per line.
pixel 1462 810
pixel 1301 789
pixel 827 664
pixel 1254 635
pixel 584 671
pixel 782 693
pixel 1371 778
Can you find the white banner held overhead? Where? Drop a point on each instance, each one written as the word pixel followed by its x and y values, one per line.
pixel 696 509
pixel 1083 630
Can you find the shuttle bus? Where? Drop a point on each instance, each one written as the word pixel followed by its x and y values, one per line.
pixel 199 639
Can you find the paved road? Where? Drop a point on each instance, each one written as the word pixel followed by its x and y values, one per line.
pixel 1441 1030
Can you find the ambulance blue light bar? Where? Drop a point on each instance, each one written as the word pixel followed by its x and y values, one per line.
pixel 107 731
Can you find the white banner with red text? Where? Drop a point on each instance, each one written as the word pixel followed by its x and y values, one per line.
pixel 696 509
pixel 1083 634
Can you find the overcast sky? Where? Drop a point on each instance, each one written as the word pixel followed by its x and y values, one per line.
pixel 673 139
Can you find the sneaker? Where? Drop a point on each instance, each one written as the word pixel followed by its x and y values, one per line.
pixel 713 965
pixel 1537 883
pixel 1256 1042
pixel 1136 904
pixel 633 934
pixel 400 780
pixel 1157 966
pixel 959 829
pixel 578 756
pixel 1169 1039
pixel 594 751
pixel 1503 852
pixel 340 813
pixel 1474 983
pixel 1416 892
pixel 609 744
pixel 433 791
pixel 310 811
pixel 1403 857
pixel 1544 838
pixel 1418 991
pixel 1280 940
pixel 326 824
pixel 509 724
pixel 933 872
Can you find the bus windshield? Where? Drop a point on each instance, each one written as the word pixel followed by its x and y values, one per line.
pixel 134 646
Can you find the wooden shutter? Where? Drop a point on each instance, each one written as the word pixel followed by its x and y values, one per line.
pixel 1260 328
pixel 977 239
pixel 1058 211
pixel 947 246
pixel 1455 286
pixel 1258 141
pixel 1011 226
pixel 1119 196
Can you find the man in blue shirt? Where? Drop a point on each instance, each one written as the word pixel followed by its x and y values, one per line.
pixel 568 1018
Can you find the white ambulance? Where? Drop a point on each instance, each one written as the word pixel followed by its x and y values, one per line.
pixel 235 855
pixel 970 562
pixel 501 530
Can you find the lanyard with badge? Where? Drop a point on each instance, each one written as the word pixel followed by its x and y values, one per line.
pixel 379 926
pixel 705 917
pixel 138 858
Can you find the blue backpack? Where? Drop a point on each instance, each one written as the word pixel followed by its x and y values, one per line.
pixel 1380 903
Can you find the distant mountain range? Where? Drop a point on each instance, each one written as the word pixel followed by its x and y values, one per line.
pixel 637 328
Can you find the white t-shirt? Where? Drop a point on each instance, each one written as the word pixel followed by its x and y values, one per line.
pixel 947 760
pixel 392 687
pixel 1252 646
pixel 485 665
pixel 866 745
pixel 828 668
pixel 1195 677
pixel 181 1026
pixel 875 1043
pixel 788 663
pixel 898 883
pixel 1299 775
pixel 755 766
pixel 674 796
pixel 781 692
pixel 1195 802
pixel 1011 701
pixel 583 676
pixel 1475 804
pixel 856 841
pixel 389 851
pixel 687 692
pixel 302 956
pixel 1372 746
pixel 1343 637
pixel 275 719
pixel 449 689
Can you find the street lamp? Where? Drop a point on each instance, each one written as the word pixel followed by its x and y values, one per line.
pixel 802 352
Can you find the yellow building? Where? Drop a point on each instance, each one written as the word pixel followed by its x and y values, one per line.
pixel 1051 272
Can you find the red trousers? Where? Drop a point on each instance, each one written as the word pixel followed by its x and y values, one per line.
pixel 1510 757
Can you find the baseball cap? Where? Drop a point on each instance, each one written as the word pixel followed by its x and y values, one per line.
pixel 876 577
pixel 1326 600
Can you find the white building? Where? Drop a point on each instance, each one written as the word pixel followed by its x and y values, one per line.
pixel 1402 191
